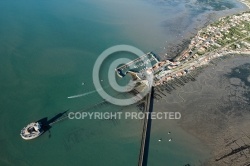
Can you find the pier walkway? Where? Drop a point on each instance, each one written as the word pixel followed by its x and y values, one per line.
pixel 143 156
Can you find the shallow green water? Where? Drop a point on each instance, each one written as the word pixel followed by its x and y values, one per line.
pixel 47 49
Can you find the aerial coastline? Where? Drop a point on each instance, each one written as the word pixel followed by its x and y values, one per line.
pixel 246 2
pixel 226 136
pixel 49 49
pixel 229 35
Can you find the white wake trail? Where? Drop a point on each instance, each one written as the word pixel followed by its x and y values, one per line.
pixel 81 95
pixel 84 94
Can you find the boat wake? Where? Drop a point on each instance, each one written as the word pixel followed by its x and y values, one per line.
pixel 84 94
pixel 77 96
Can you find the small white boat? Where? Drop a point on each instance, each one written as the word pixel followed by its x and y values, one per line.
pixel 31 131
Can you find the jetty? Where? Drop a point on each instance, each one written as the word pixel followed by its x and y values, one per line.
pixel 143 156
pixel 138 64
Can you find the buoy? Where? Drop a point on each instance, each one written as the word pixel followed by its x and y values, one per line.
pixel 160 140
pixel 169 132
pixel 83 83
pixel 170 140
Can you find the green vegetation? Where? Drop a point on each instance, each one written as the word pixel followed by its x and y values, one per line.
pixel 223 36
pixel 247 39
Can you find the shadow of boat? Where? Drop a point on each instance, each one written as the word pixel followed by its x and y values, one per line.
pixel 47 124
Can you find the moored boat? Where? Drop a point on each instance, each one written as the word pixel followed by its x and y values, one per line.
pixel 31 131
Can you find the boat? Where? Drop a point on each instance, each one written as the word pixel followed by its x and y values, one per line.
pixel 32 130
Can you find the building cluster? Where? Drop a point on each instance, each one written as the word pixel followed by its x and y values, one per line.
pixel 229 34
pixel 164 71
pixel 223 33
